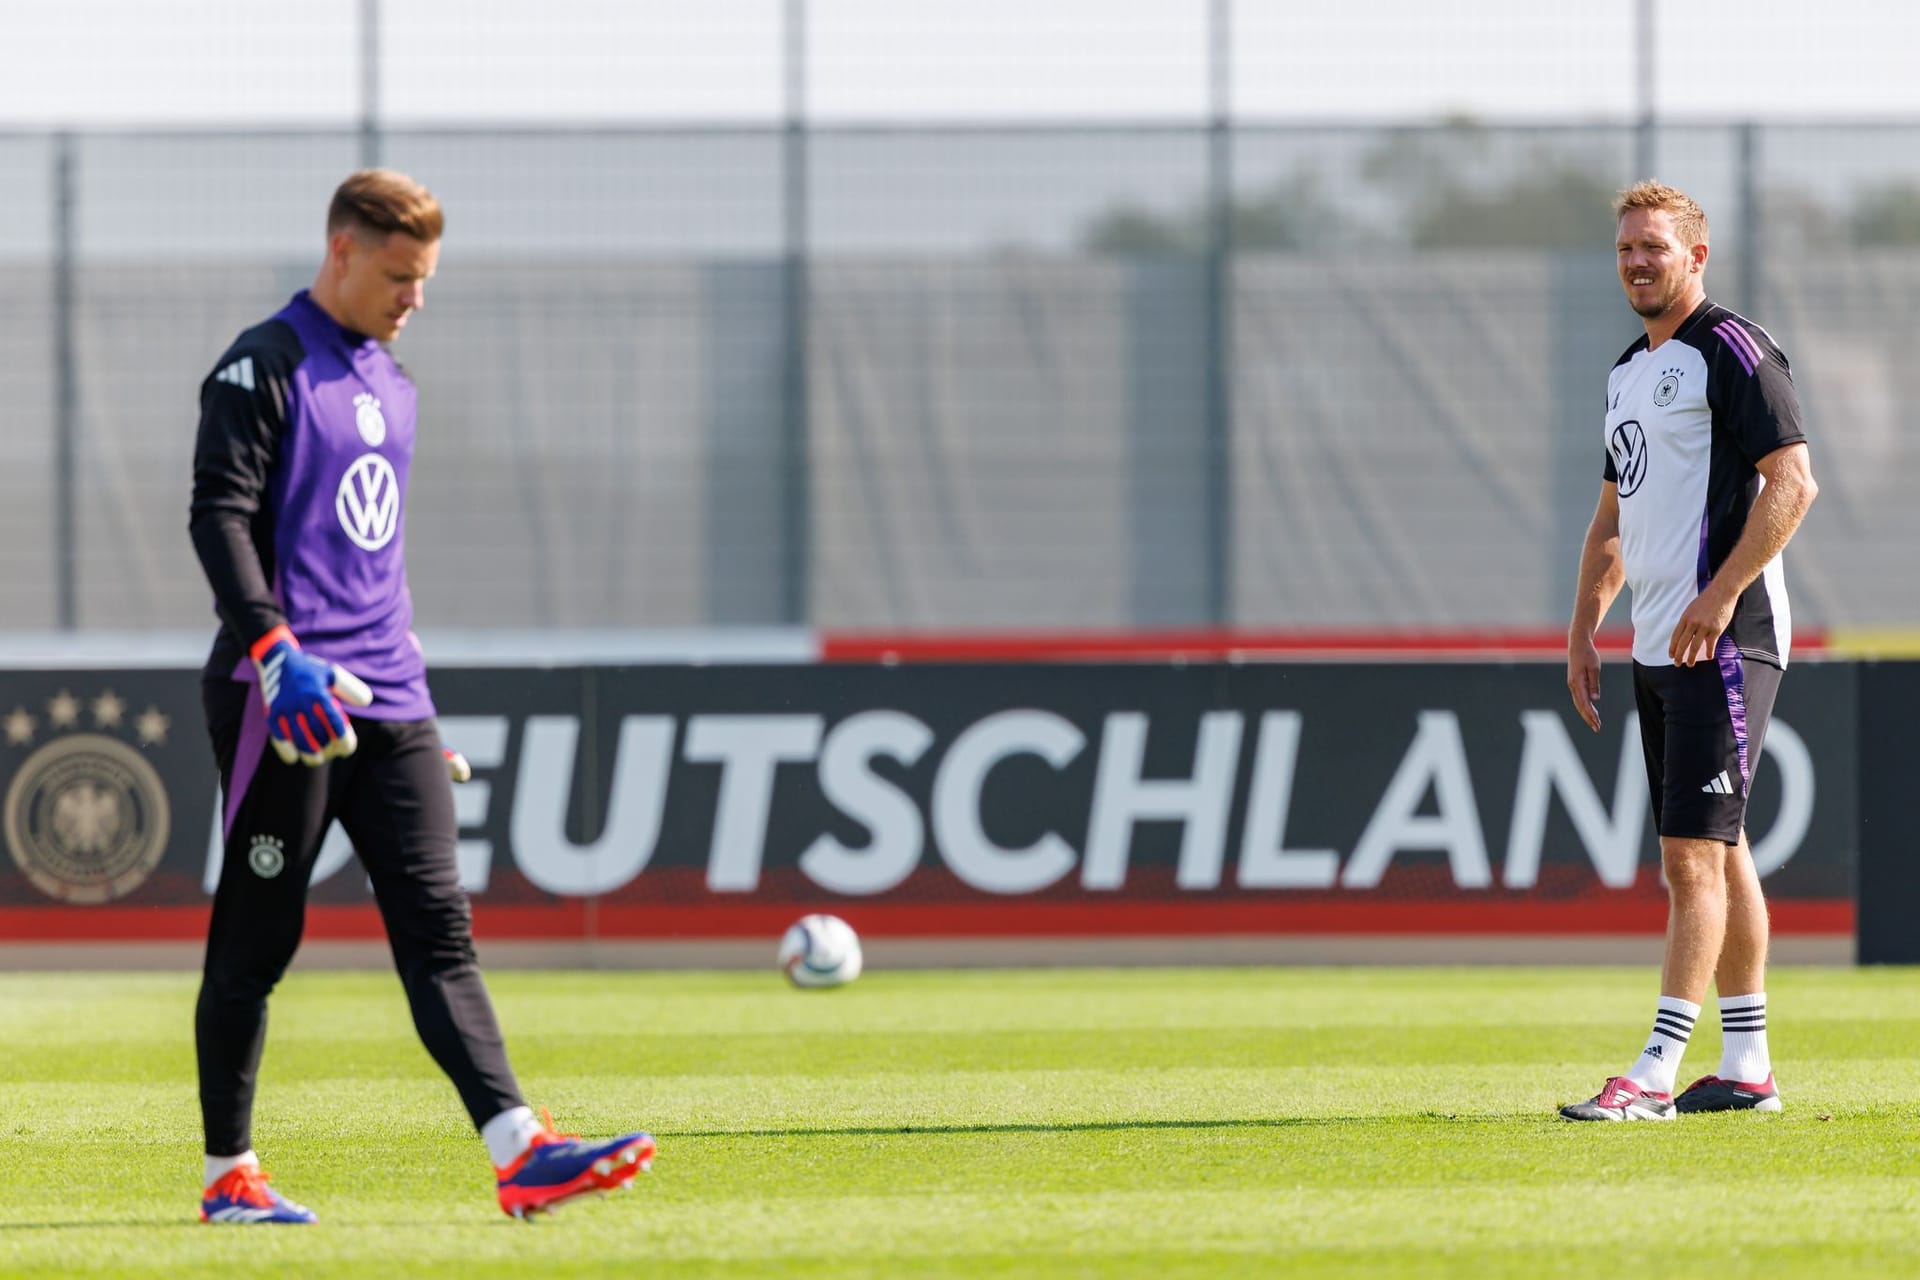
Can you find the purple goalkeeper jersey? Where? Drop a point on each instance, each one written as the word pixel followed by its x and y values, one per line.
pixel 300 482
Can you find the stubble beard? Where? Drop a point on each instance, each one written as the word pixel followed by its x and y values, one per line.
pixel 1659 306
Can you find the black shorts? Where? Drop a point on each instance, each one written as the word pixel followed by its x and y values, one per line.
pixel 1701 728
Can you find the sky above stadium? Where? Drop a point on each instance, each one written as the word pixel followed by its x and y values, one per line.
pixel 242 62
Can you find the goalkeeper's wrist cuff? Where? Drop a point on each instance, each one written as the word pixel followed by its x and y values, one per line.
pixel 272 638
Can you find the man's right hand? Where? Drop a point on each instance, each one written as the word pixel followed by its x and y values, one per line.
pixel 1583 679
pixel 303 694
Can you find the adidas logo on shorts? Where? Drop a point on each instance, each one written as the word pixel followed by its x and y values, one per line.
pixel 1720 786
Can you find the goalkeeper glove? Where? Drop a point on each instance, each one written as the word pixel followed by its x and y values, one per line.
pixel 303 695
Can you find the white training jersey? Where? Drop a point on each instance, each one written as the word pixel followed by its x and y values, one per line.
pixel 1685 424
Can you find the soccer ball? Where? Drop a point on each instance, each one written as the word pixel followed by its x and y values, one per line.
pixel 820 951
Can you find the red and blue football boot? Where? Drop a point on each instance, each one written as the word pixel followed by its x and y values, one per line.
pixel 559 1166
pixel 242 1195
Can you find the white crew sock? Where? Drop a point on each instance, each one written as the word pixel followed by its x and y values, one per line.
pixel 1659 1062
pixel 1743 1038
pixel 508 1134
pixel 219 1167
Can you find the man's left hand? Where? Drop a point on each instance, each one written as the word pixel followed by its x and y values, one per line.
pixel 1700 628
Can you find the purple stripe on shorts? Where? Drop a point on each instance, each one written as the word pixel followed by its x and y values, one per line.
pixel 1733 675
pixel 1736 346
pixel 246 755
pixel 1703 574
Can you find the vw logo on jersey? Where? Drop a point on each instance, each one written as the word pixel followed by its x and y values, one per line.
pixel 373 424
pixel 1628 444
pixel 1665 390
pixel 368 503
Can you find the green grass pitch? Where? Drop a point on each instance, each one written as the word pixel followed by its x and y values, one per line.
pixel 1164 1123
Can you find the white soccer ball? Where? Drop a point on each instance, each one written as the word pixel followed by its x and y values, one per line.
pixel 820 951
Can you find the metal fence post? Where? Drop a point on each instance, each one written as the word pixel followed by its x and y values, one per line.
pixel 1219 338
pixel 66 391
pixel 369 84
pixel 794 383
pixel 1646 153
pixel 1752 287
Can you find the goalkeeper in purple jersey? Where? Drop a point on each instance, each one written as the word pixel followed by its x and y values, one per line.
pixel 317 702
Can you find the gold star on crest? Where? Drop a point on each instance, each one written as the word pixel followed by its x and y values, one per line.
pixel 152 727
pixel 108 710
pixel 19 727
pixel 63 710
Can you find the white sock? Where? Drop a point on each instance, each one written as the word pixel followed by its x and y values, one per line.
pixel 1659 1062
pixel 508 1134
pixel 1743 1038
pixel 219 1167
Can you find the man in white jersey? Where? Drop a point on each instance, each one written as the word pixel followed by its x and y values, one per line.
pixel 1706 479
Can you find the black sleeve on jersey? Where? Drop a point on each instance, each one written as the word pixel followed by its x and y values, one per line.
pixel 1754 400
pixel 233 461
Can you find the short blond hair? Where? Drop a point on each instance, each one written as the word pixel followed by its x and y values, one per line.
pixel 1689 220
pixel 384 201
